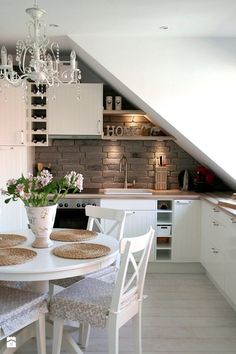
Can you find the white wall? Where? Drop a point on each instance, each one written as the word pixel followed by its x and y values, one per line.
pixel 190 82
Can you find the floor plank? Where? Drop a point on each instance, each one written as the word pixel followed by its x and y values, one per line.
pixel 183 314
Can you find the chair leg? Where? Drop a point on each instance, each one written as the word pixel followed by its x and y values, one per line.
pixel 137 332
pixel 57 336
pixel 84 333
pixel 41 335
pixel 113 337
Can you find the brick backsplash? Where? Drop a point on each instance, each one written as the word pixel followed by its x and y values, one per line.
pixel 98 161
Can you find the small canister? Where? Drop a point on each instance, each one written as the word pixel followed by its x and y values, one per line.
pixel 109 102
pixel 118 103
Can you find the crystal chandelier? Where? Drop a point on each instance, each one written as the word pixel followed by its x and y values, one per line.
pixel 36 58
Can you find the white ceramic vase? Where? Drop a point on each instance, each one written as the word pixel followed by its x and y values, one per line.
pixel 41 221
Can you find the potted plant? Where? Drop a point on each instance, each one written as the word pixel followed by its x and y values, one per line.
pixel 40 195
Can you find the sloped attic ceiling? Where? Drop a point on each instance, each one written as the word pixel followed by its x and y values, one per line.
pixel 186 85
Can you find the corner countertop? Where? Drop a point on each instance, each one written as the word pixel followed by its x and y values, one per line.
pixel 214 198
pixel 172 194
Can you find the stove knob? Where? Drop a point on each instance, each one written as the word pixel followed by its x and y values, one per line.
pixel 94 204
pixel 83 205
pixel 66 205
pixel 60 205
pixel 78 205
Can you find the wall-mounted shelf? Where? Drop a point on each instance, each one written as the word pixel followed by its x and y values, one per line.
pixel 133 112
pixel 130 125
pixel 138 137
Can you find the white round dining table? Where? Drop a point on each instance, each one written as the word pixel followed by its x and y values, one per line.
pixel 46 266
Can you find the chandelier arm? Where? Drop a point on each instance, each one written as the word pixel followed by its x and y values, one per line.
pixel 37 60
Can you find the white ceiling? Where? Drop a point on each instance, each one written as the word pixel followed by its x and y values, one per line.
pixel 122 17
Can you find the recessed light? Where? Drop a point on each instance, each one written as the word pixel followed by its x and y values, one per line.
pixel 164 27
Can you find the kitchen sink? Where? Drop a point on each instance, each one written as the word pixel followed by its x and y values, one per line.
pixel 126 191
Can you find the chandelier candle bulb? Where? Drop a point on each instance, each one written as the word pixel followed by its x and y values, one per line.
pixel 4 55
pixel 72 59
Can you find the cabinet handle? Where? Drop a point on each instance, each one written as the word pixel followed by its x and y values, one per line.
pixel 22 136
pixel 6 148
pixel 99 126
pixel 214 250
pixel 215 223
pixel 215 210
pixel 183 202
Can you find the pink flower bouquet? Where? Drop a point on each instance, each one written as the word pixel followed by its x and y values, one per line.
pixel 42 190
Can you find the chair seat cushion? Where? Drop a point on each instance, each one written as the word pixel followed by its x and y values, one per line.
pixel 107 274
pixel 18 306
pixel 86 301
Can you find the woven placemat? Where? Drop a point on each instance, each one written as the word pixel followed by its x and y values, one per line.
pixel 81 251
pixel 73 235
pixel 11 256
pixel 11 240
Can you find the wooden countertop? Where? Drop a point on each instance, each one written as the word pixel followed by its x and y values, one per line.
pixel 173 194
pixel 156 194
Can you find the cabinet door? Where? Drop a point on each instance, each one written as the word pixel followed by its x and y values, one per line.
pixel 12 215
pixel 12 115
pixel 230 261
pixel 186 231
pixel 70 115
pixel 213 243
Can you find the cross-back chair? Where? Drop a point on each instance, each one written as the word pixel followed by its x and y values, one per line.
pixel 104 220
pixel 18 309
pixel 103 304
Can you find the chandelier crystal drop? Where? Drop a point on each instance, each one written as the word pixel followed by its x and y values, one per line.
pixel 36 58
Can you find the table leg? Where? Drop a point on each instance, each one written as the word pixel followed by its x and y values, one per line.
pixel 41 287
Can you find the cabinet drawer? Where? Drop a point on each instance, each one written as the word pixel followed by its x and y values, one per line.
pixel 128 204
pixel 164 230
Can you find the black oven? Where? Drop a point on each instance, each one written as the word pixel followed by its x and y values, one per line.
pixel 71 213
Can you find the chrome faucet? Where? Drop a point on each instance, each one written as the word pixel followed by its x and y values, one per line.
pixel 124 163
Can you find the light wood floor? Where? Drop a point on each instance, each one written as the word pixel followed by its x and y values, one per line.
pixel 183 314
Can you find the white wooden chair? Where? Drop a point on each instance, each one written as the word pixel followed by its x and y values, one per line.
pixel 103 304
pixel 104 220
pixel 18 309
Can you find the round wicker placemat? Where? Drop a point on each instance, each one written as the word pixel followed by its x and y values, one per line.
pixel 11 256
pixel 11 240
pixel 81 251
pixel 73 235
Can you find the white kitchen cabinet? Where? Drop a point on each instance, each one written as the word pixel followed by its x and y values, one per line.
pixel 218 249
pixel 212 247
pixel 12 115
pixel 69 114
pixel 14 161
pixel 186 231
pixel 230 258
pixel 142 216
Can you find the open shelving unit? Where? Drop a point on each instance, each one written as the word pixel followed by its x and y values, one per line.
pixel 37 116
pixel 163 242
